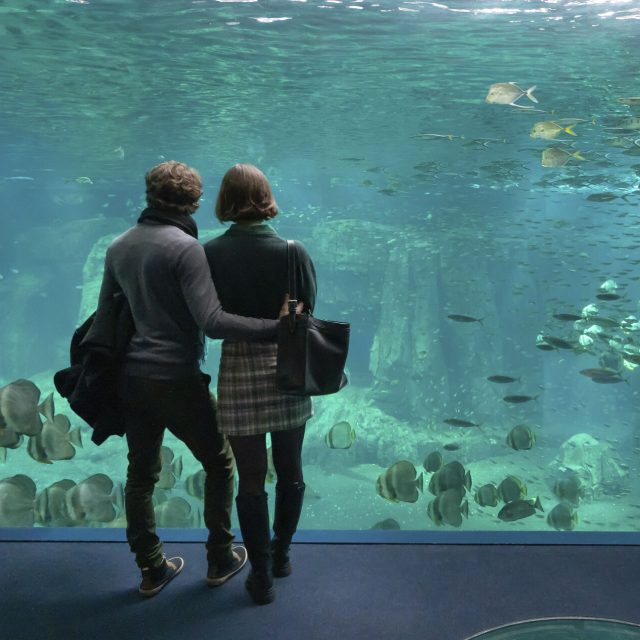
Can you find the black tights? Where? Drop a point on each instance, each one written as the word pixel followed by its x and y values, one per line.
pixel 251 459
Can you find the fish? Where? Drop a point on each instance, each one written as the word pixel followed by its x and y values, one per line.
pixel 47 408
pixel 521 437
pixel 194 484
pixel 52 508
pixel 448 508
pixel 19 407
pixel 512 488
pixel 570 489
pixel 519 509
pixel 518 399
pixel 55 441
pixel 508 93
pixel 608 285
pixel 502 379
pixel 387 525
pixel 400 483
pixel 171 469
pixel 17 501
pixel 627 124
pixel 608 379
pixel 607 323
pixel 10 439
pixel 458 422
pixel 93 500
pixel 598 373
pixel 633 101
pixel 35 449
pixel 341 436
pixel 558 343
pixel 80 180
pixel 456 317
pixel 558 157
pixel 605 196
pixel 175 512
pixel 487 495
pixel 562 518
pixel 433 462
pixel 451 476
pixel 608 296
pixel 451 446
pixel 550 129
pixel 567 317
pixel 438 136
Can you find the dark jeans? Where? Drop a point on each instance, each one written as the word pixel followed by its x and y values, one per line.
pixel 251 459
pixel 186 409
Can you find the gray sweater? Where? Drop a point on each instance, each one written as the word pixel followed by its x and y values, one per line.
pixel 164 274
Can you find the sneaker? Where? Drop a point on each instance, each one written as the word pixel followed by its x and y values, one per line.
pixel 156 578
pixel 218 575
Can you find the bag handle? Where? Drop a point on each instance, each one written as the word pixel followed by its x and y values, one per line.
pixel 293 290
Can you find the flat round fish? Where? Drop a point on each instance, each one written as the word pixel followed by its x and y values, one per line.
pixel 19 407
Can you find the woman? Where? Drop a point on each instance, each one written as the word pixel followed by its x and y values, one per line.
pixel 249 268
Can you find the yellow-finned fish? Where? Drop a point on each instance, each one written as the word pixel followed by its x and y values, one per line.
pixel 558 157
pixel 550 129
pixel 508 93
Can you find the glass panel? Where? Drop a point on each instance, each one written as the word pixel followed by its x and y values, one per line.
pixel 465 177
pixel 563 629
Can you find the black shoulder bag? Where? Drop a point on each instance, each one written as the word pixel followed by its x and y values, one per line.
pixel 311 352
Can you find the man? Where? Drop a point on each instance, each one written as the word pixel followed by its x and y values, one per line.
pixel 162 270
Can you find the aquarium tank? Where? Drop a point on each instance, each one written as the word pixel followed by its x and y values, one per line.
pixel 466 178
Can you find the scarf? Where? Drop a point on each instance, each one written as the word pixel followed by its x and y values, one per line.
pixel 183 221
pixel 186 223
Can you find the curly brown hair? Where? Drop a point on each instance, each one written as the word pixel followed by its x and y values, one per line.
pixel 173 186
pixel 245 196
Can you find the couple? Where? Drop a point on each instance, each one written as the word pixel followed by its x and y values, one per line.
pixel 179 292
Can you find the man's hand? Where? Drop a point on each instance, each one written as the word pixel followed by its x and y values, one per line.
pixel 284 309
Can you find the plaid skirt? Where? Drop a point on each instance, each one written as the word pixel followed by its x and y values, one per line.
pixel 248 401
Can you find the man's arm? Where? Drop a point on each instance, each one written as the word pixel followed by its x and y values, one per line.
pixel 202 299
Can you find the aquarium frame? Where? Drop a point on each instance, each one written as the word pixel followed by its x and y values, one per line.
pixel 331 536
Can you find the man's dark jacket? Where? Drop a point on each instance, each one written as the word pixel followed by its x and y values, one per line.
pixel 90 383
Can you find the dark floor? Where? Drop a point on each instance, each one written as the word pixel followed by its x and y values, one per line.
pixel 56 590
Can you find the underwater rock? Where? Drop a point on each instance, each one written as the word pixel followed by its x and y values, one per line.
pixel 380 438
pixel 352 245
pixel 94 267
pixel 73 240
pixel 92 276
pixel 596 463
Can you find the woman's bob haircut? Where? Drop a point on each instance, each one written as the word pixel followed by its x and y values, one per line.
pixel 245 196
pixel 173 186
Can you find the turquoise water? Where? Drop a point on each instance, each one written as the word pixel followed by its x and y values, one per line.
pixel 417 199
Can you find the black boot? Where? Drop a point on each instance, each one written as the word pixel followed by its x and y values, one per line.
pixel 253 514
pixel 289 498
